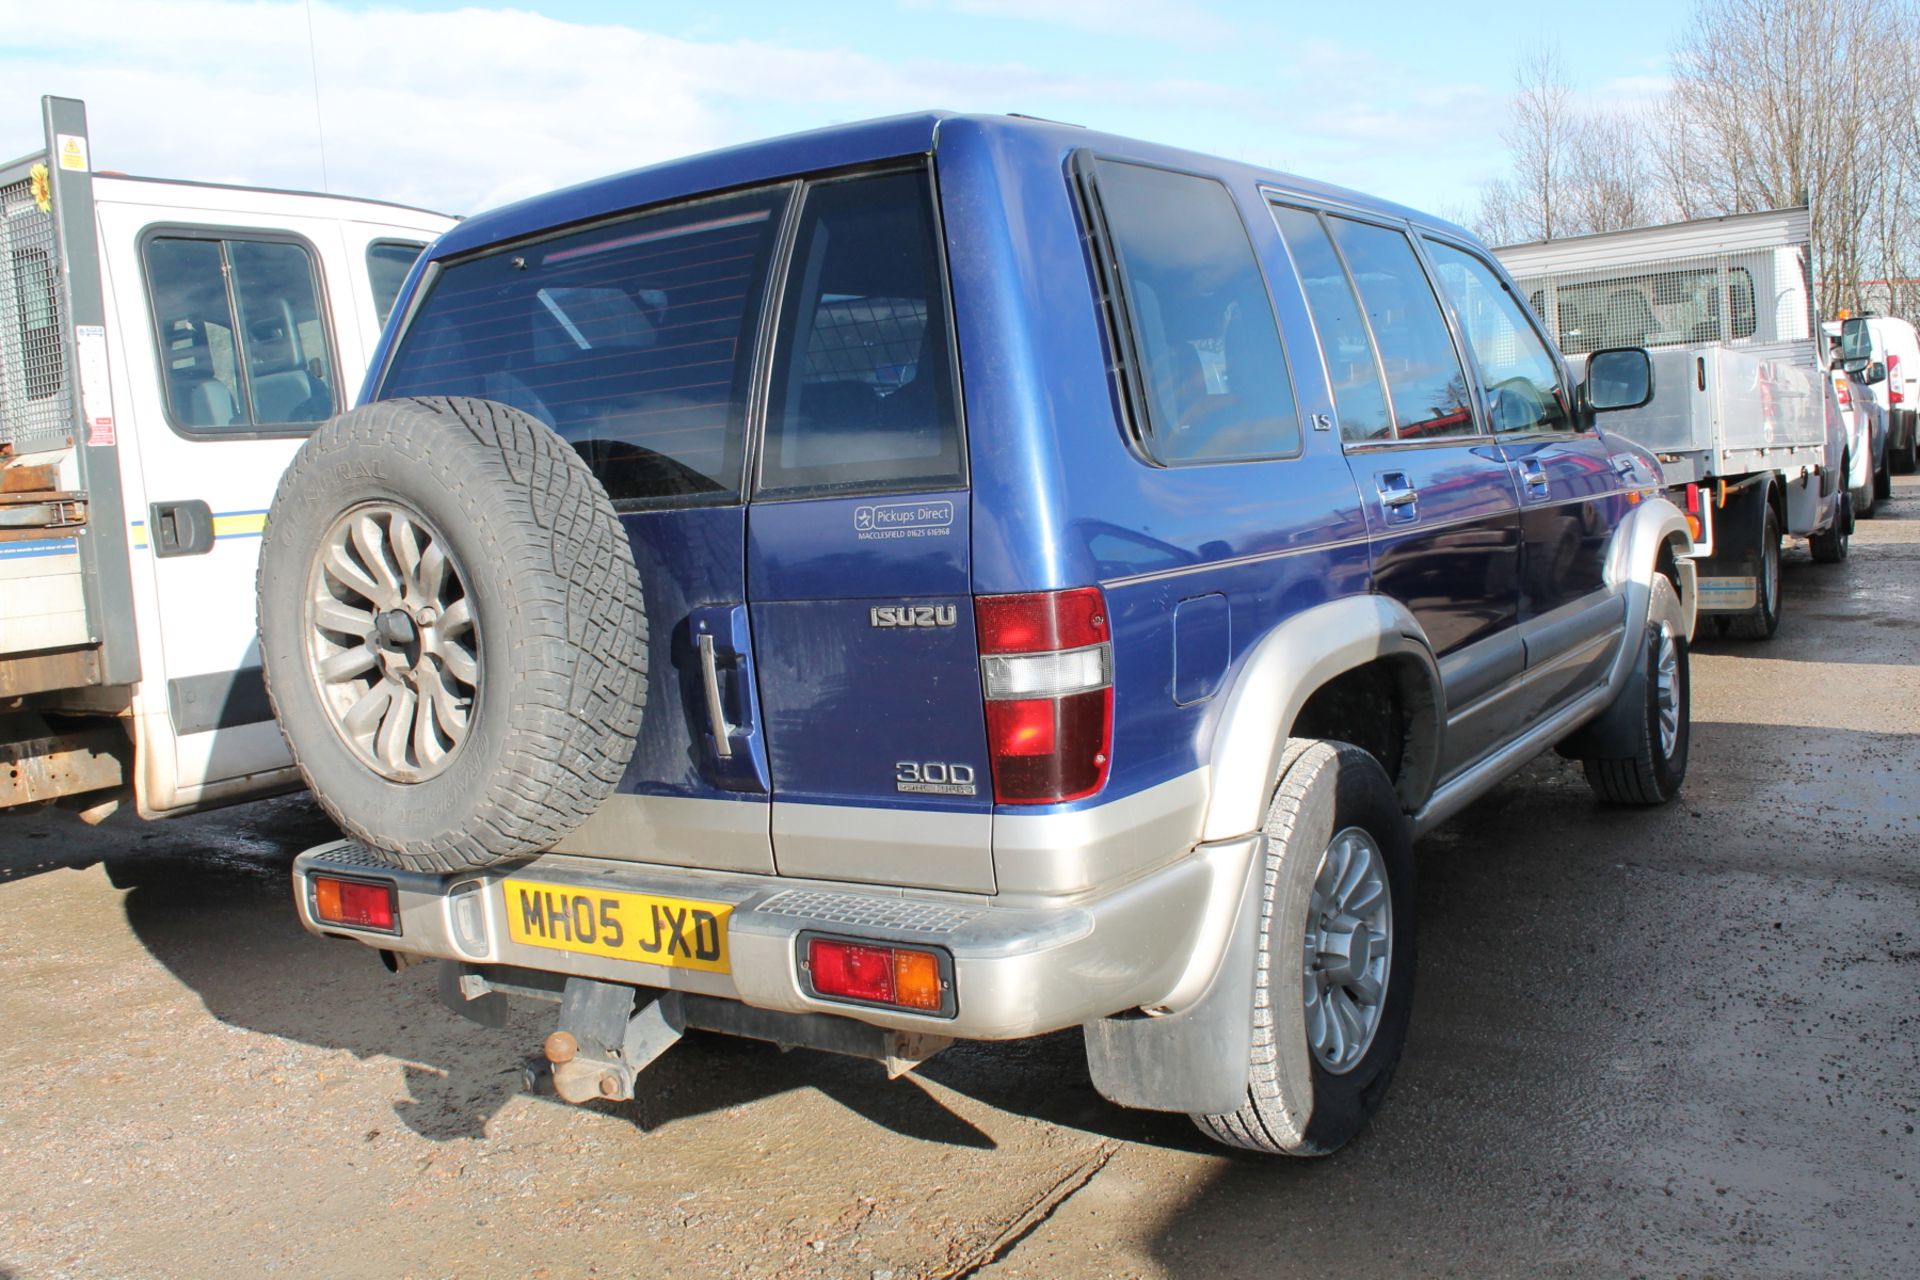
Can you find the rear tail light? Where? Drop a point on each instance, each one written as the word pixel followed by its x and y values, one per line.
pixel 1694 527
pixel 1046 661
pixel 357 904
pixel 1894 394
pixel 873 973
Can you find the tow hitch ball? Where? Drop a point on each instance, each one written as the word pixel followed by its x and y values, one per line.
pixel 603 1044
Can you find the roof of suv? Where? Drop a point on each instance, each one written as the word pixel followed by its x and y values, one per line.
pixel 837 146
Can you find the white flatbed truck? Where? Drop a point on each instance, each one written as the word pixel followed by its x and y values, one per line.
pixel 1739 417
pixel 165 347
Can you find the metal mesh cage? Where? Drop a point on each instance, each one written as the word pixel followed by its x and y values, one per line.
pixel 872 340
pixel 1736 299
pixel 36 409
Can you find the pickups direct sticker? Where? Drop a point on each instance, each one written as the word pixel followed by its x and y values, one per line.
pixel 903 520
pixel 678 932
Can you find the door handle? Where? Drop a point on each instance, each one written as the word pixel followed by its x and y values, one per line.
pixel 710 674
pixel 1534 476
pixel 1626 466
pixel 1398 496
pixel 180 528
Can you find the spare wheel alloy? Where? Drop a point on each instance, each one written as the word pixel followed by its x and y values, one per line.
pixel 392 643
pixel 452 631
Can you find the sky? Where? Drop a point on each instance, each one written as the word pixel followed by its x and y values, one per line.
pixel 463 106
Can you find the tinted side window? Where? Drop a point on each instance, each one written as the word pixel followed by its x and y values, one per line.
pixel 1522 378
pixel 633 339
pixel 1206 349
pixel 1424 376
pixel 388 262
pixel 863 391
pixel 1359 396
pixel 274 368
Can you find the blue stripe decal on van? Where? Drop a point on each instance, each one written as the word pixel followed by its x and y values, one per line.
pixel 39 547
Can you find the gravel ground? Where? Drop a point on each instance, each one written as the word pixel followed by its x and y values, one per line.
pixel 1672 1043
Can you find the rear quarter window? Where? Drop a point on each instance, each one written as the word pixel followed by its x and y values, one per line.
pixel 1209 379
pixel 632 339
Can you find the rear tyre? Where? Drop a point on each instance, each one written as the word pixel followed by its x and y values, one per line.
pixel 1903 460
pixel 452 631
pixel 1883 481
pixel 1760 622
pixel 1830 545
pixel 1334 986
pixel 1653 773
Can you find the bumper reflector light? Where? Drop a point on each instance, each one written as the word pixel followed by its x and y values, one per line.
pixel 903 977
pixel 358 904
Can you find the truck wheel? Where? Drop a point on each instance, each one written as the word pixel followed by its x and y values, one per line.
pixel 1829 546
pixel 1902 461
pixel 1760 622
pixel 1653 773
pixel 452 631
pixel 1336 956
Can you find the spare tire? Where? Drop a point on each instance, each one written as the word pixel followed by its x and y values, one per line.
pixel 452 631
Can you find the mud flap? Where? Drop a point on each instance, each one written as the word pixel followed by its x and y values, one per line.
pixel 1728 580
pixel 1193 1061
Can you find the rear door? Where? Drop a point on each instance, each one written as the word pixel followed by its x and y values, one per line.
pixel 1442 513
pixel 858 554
pixel 635 339
pixel 1572 481
pixel 234 354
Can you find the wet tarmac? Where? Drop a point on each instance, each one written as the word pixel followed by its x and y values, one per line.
pixel 1674 1043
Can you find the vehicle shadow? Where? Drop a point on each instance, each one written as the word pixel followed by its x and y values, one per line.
pixel 207 896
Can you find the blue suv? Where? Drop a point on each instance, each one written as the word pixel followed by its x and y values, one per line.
pixel 959 577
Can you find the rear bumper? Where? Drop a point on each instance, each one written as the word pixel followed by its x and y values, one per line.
pixel 1017 971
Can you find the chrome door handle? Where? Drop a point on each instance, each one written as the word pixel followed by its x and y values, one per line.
pixel 710 673
pixel 1534 476
pixel 1397 495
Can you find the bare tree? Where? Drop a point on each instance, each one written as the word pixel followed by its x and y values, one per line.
pixel 1541 137
pixel 1609 186
pixel 1795 102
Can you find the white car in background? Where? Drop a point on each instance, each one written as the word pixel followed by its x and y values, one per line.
pixel 1866 429
pixel 1885 351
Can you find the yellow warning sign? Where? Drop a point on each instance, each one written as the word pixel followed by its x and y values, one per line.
pixel 72 149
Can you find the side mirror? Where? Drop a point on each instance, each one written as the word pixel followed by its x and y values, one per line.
pixel 1875 372
pixel 1856 340
pixel 1618 378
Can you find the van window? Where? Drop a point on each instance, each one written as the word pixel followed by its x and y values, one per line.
pixel 862 390
pixel 388 262
pixel 1209 364
pixel 272 369
pixel 1677 307
pixel 632 339
pixel 1522 380
pixel 1359 397
pixel 1424 378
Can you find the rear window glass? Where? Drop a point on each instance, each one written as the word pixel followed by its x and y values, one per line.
pixel 863 392
pixel 633 340
pixel 1206 351
pixel 388 262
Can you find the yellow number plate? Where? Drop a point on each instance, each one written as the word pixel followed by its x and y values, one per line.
pixel 626 926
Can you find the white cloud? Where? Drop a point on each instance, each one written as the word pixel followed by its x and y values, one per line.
pixel 457 110
pixel 468 109
pixel 1187 23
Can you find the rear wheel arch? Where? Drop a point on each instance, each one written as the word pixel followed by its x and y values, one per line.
pixel 1359 653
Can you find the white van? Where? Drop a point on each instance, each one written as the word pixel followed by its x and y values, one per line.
pixel 165 347
pixel 1885 352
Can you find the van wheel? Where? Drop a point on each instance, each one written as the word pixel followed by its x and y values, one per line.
pixel 1653 773
pixel 452 631
pixel 1760 622
pixel 1830 545
pixel 1334 985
